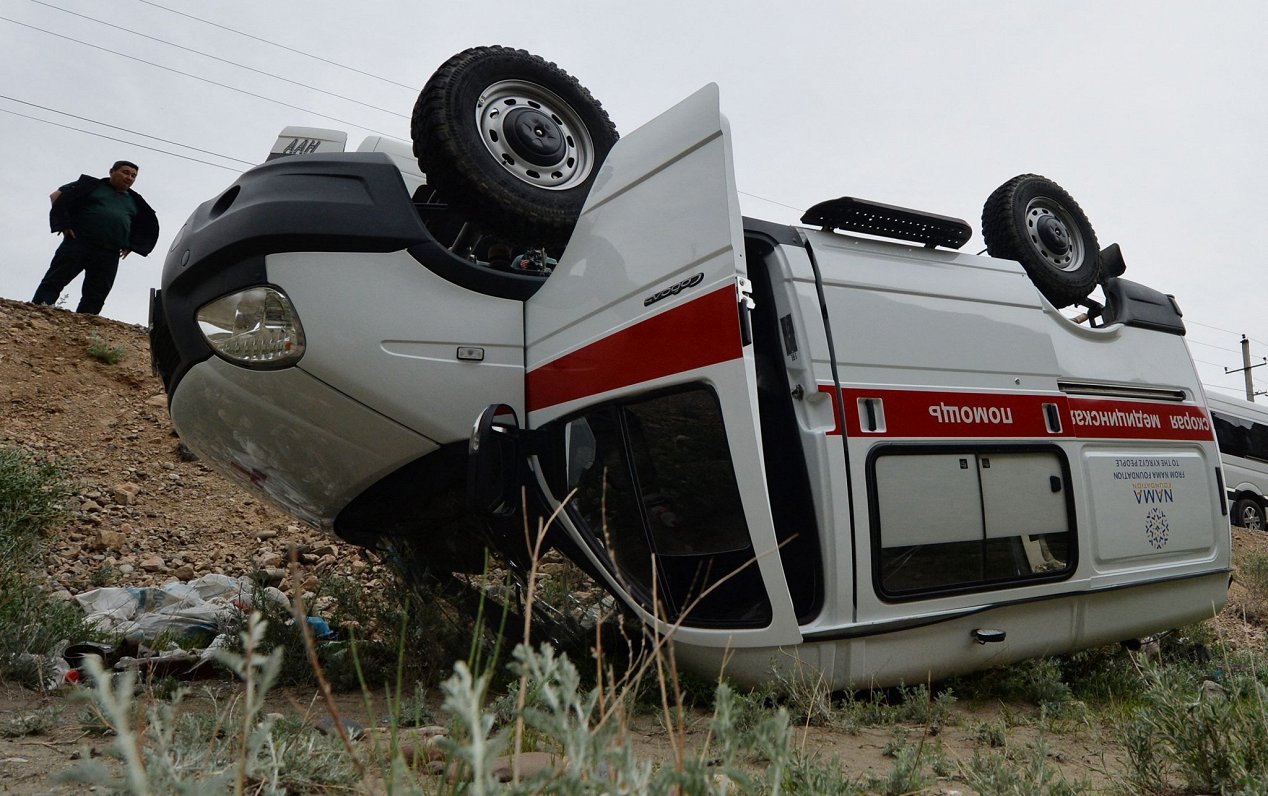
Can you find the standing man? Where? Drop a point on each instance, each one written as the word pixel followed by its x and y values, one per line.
pixel 101 220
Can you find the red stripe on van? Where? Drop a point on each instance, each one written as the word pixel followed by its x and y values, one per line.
pixel 696 334
pixel 930 414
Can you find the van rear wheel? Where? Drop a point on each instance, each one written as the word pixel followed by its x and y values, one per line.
pixel 1248 514
pixel 1033 220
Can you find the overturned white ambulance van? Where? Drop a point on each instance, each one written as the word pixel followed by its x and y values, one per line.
pixel 869 455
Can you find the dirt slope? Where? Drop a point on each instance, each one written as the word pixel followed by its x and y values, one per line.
pixel 145 513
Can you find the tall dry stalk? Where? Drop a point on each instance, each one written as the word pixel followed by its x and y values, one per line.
pixel 535 554
pixel 310 650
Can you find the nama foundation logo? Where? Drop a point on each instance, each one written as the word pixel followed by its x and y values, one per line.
pixel 1157 528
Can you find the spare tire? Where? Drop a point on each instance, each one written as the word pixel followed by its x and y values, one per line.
pixel 1033 220
pixel 511 141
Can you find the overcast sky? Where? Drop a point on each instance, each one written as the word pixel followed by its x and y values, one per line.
pixel 1150 114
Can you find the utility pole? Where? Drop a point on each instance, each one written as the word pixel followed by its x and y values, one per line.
pixel 1245 369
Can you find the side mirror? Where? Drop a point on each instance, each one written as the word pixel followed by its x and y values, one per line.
pixel 1112 261
pixel 493 462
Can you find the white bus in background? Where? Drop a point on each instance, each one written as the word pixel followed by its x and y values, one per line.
pixel 1241 427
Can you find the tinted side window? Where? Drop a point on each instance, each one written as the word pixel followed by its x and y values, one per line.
pixel 969 520
pixel 1238 436
pixel 1232 433
pixel 656 492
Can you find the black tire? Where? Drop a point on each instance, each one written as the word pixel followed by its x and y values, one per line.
pixel 1033 220
pixel 1248 514
pixel 512 141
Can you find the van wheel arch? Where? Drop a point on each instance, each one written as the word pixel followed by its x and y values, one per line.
pixel 1033 220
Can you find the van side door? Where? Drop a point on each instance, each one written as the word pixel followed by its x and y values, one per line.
pixel 641 381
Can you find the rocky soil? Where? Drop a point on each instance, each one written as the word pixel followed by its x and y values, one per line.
pixel 146 510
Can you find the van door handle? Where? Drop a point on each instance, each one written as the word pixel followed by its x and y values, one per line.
pixel 984 635
pixel 744 293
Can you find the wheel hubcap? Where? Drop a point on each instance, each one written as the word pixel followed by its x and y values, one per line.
pixel 1053 234
pixel 535 135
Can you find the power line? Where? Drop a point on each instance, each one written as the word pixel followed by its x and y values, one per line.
pixel 1204 362
pixel 1227 348
pixel 218 58
pixel 196 77
pixel 275 44
pixel 125 130
pixel 1241 393
pixel 122 141
pixel 1228 331
pixel 1216 328
pixel 771 201
pixel 1210 345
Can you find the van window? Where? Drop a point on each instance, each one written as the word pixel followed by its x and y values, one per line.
pixel 655 491
pixel 1238 436
pixel 955 520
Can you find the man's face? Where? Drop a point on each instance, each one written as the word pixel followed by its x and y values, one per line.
pixel 122 178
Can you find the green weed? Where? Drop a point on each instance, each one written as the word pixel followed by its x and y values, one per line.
pixel 1038 681
pixel 908 773
pixel 1212 738
pixel 103 575
pixel 33 625
pixel 32 496
pixel 1024 773
pixel 37 722
pixel 915 705
pixel 1252 569
pixel 993 734
pixel 105 353
pixel 1104 675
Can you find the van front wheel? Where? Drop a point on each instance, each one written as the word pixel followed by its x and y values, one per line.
pixel 1248 514
pixel 512 141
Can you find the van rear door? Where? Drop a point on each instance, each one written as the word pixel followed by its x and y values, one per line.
pixel 641 376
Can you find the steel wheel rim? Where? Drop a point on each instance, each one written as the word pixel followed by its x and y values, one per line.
pixel 492 112
pixel 1043 214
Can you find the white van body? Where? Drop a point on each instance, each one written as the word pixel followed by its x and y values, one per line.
pixel 786 448
pixel 1241 430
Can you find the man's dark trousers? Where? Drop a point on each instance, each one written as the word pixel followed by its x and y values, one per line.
pixel 99 265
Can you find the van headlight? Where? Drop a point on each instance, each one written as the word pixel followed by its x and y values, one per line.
pixel 257 327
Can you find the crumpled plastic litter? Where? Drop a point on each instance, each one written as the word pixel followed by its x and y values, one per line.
pixel 176 609
pixel 191 617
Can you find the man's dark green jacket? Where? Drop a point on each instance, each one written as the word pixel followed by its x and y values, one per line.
pixel 145 227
